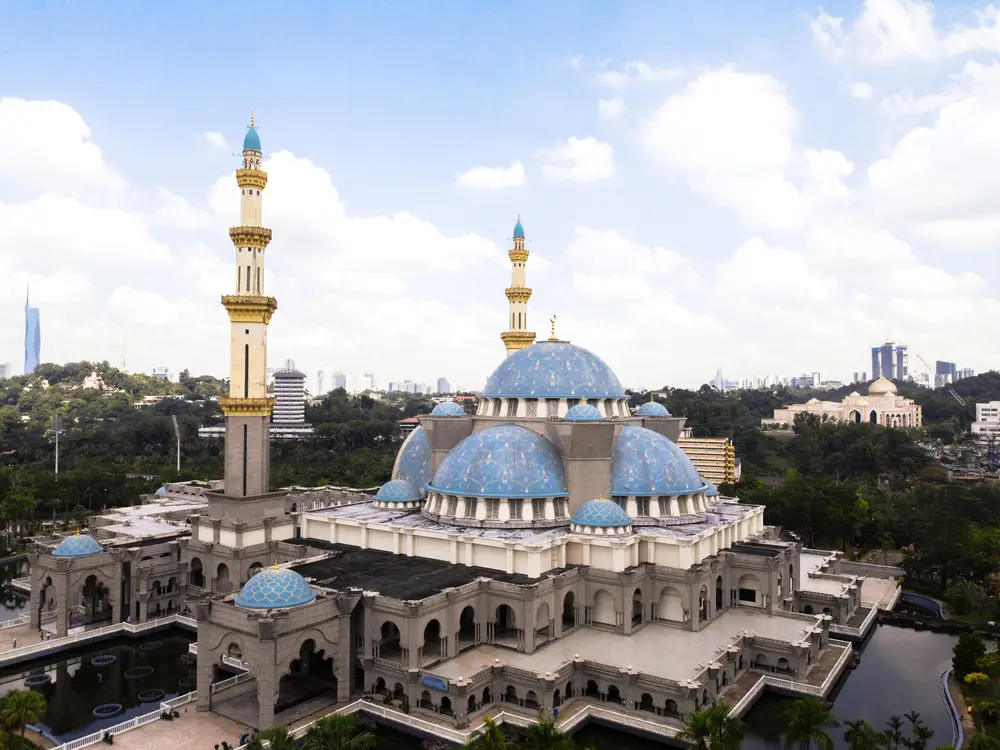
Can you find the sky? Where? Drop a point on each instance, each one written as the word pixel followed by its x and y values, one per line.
pixel 761 188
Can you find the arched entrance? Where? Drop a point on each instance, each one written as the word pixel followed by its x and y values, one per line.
pixel 505 629
pixel 433 646
pixel 543 624
pixel 222 582
pixel 467 629
pixel 604 609
pixel 96 601
pixel 637 607
pixel 197 575
pixel 569 611
pixel 309 675
pixel 388 646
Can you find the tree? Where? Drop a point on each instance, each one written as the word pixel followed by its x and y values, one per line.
pixel 20 707
pixel 860 735
pixel 966 652
pixel 279 738
pixel 338 732
pixel 920 735
pixel 544 734
pixel 806 721
pixel 713 728
pixel 491 737
pixel 981 741
pixel 893 732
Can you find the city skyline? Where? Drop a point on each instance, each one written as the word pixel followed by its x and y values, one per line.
pixel 670 178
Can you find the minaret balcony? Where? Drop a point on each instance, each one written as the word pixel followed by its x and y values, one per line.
pixel 517 339
pixel 251 178
pixel 518 293
pixel 257 237
pixel 249 308
pixel 518 256
pixel 247 407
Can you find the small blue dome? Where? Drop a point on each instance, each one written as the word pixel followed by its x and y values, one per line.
pixel 603 514
pixel 275 589
pixel 162 491
pixel 553 369
pixel 413 462
pixel 712 490
pixel 252 141
pixel 399 491
pixel 652 409
pixel 502 461
pixel 447 409
pixel 518 231
pixel 77 546
pixel 647 464
pixel 583 413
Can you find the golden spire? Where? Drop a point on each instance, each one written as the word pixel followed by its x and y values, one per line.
pixel 275 564
pixel 552 336
pixel 251 120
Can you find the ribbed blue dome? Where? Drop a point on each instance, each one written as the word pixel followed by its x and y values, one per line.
pixel 652 409
pixel 447 409
pixel 553 369
pixel 712 490
pixel 647 464
pixel 252 141
pixel 583 413
pixel 413 462
pixel 518 231
pixel 503 461
pixel 275 589
pixel 162 491
pixel 77 546
pixel 399 491
pixel 603 514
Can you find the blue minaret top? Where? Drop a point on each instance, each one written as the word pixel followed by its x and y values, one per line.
pixel 252 141
pixel 518 230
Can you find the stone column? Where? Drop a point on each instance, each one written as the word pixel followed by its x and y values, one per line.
pixel 63 605
pixel 204 672
pixel 116 593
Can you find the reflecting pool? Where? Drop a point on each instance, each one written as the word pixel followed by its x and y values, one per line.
pixel 12 602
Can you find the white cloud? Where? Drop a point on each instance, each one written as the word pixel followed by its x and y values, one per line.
pixel 888 30
pixel 175 211
pixel 217 141
pixel 578 159
pixel 860 90
pixel 636 72
pixel 493 178
pixel 591 249
pixel 610 109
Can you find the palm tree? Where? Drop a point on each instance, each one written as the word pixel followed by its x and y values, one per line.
pixel 544 734
pixel 279 738
pixel 491 737
pixel 697 729
pixel 806 721
pixel 860 735
pixel 21 707
pixel 920 735
pixel 713 729
pixel 338 732
pixel 894 732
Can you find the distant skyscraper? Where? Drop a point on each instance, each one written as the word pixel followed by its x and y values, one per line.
pixel 944 373
pixel 370 381
pixel 876 363
pixel 5 370
pixel 319 383
pixel 860 377
pixel 886 360
pixel 444 386
pixel 32 336
pixel 902 362
pixel 339 380
pixel 290 392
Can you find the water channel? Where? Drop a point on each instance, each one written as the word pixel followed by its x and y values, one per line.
pixel 12 602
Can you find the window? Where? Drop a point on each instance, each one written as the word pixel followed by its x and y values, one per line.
pixel 620 501
pixel 471 504
pixel 515 509
pixel 664 503
pixel 512 407
pixel 452 505
pixel 560 507
pixel 248 278
pixel 538 508
pixel 682 505
pixel 496 407
pixel 531 407
pixel 551 407
pixel 492 509
pixel 642 505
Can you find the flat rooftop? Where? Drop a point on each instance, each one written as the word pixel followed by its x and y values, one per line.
pixel 396 576
pixel 877 591
pixel 658 650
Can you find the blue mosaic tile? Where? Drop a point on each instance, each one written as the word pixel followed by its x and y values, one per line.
pixel 275 589
pixel 447 409
pixel 503 461
pixel 553 369
pixel 583 413
pixel 413 462
pixel 603 514
pixel 77 546
pixel 652 409
pixel 399 491
pixel 646 463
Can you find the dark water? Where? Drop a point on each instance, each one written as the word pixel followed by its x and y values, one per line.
pixel 78 686
pixel 12 603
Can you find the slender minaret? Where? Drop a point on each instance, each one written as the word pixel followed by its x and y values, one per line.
pixel 248 407
pixel 518 336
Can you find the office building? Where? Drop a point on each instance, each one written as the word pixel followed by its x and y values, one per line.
pixel 32 336
pixel 5 371
pixel 319 383
pixel 443 385
pixel 944 373
pixel 860 377
pixel 370 381
pixel 339 380
pixel 714 458
pixel 902 362
pixel 883 365
pixel 288 418
pixel 987 424
pixel 965 372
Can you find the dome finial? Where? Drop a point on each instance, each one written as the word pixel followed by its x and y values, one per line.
pixel 275 564
pixel 552 336
pixel 251 120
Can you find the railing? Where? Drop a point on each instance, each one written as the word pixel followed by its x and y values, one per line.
pixel 180 700
pixel 216 687
pixel 125 726
pixel 861 629
pixel 957 734
pixel 895 599
pixel 21 619
pixel 744 703
pixel 235 663
pixel 22 584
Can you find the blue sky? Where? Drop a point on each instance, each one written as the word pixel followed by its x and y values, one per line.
pixel 707 237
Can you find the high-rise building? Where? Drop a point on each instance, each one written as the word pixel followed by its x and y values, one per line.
pixel 860 377
pixel 290 396
pixel 965 372
pixel 944 373
pixel 518 336
pixel 339 380
pixel 319 383
pixel 5 371
pixel 370 381
pixel 444 386
pixel 32 336
pixel 887 359
pixel 902 362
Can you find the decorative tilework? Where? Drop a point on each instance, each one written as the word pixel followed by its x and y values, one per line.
pixel 251 142
pixel 652 409
pixel 399 491
pixel 413 462
pixel 647 464
pixel 604 514
pixel 503 461
pixel 275 589
pixel 447 409
pixel 553 369
pixel 77 546
pixel 518 231
pixel 583 413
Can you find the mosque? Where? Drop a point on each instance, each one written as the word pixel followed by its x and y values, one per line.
pixel 882 405
pixel 552 549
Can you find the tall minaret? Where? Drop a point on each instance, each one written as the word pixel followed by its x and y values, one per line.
pixel 518 336
pixel 248 407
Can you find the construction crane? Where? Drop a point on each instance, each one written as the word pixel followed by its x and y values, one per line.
pixel 939 381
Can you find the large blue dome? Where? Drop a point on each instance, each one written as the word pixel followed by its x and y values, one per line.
pixel 399 491
pixel 275 589
pixel 413 462
pixel 583 413
pixel 447 409
pixel 553 369
pixel 518 230
pixel 502 461
pixel 77 546
pixel 252 141
pixel 652 409
pixel 647 464
pixel 603 514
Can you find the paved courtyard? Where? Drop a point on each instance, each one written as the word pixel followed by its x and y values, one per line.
pixel 192 731
pixel 659 650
